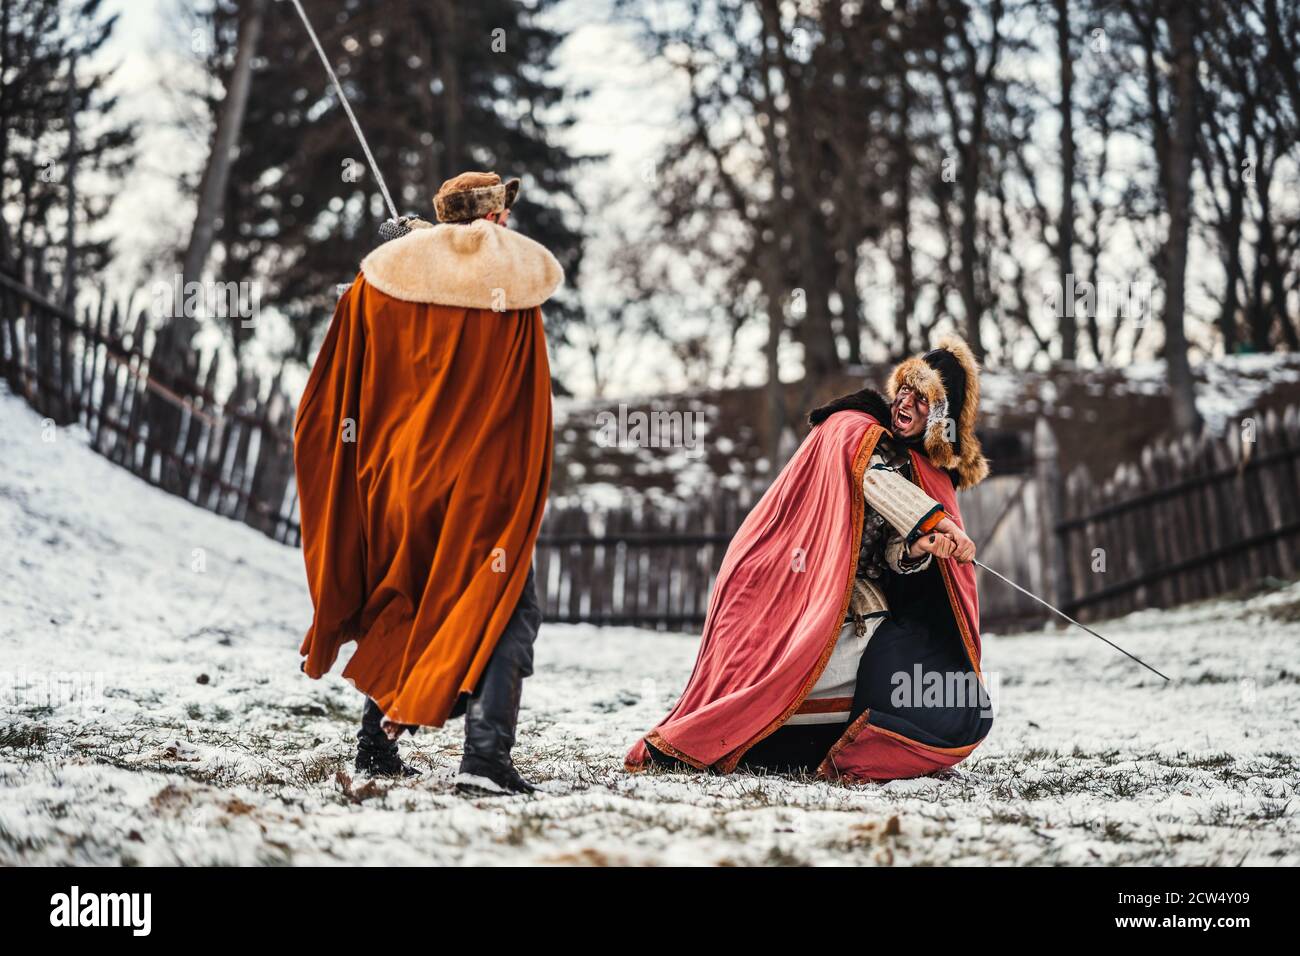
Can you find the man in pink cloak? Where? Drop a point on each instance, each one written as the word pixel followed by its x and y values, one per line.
pixel 842 636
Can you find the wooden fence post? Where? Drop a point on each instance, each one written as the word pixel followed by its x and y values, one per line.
pixel 1053 546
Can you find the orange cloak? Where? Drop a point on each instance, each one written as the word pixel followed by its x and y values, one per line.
pixel 422 448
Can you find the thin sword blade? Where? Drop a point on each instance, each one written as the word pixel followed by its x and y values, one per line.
pixel 1057 610
pixel 347 108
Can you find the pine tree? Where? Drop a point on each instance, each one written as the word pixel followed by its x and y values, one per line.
pixel 56 133
pixel 438 88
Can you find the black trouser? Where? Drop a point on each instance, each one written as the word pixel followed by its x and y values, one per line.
pixel 517 640
pixel 511 662
pixel 493 709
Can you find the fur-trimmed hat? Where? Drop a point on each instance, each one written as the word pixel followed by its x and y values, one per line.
pixel 948 378
pixel 471 196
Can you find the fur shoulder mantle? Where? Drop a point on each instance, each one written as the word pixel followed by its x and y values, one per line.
pixel 867 400
pixel 478 265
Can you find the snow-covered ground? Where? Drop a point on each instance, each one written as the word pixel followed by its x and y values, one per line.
pixel 153 713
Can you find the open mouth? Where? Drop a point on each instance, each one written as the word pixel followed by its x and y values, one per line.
pixel 903 418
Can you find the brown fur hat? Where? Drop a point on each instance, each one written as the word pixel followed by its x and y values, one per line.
pixel 471 196
pixel 962 455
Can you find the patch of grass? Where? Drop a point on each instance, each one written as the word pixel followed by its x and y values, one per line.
pixel 1206 677
pixel 1040 753
pixel 522 829
pixel 169 797
pixel 1013 787
pixel 55 811
pixel 24 737
pixel 318 769
pixel 330 708
pixel 1288 613
pixel 1018 818
pixel 1111 830
pixel 237 808
pixel 1270 809
pixel 1126 785
pixel 868 835
pixel 1217 815
pixel 19 844
pixel 780 856
pixel 1211 761
pixel 274 854
pixel 583 857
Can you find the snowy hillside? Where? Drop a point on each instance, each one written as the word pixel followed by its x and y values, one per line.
pixel 153 713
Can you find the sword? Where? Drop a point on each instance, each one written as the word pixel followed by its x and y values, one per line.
pixel 396 226
pixel 1067 617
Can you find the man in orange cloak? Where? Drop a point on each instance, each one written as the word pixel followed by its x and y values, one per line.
pixel 422 448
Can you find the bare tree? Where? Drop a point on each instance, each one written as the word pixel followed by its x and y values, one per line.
pixel 1068 329
pixel 225 140
pixel 1178 193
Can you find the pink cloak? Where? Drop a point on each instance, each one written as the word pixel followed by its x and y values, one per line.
pixel 777 607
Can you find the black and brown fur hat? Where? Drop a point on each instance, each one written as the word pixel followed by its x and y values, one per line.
pixel 948 378
pixel 474 195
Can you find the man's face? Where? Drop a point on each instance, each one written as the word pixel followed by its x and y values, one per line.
pixel 909 412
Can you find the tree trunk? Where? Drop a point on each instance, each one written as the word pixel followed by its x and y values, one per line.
pixel 1065 228
pixel 851 304
pixel 5 14
pixel 772 354
pixel 1269 260
pixel 212 187
pixel 904 264
pixel 70 236
pixel 173 361
pixel 1182 390
pixel 1230 237
pixel 453 118
pixel 970 297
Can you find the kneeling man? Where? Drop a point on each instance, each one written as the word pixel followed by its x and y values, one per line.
pixel 846 596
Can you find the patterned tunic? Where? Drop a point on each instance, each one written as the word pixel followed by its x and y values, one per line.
pixel 873 562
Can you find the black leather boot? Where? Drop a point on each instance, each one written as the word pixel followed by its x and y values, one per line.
pixel 493 710
pixel 377 755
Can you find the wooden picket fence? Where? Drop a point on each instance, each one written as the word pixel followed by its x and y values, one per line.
pixel 635 565
pixel 652 568
pixel 1193 519
pixel 233 457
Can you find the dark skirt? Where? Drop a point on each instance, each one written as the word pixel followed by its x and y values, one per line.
pixel 794 748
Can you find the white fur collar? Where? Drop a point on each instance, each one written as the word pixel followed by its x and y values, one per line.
pixel 478 265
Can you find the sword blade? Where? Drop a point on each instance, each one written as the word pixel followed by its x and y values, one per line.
pixel 1057 610
pixel 347 108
